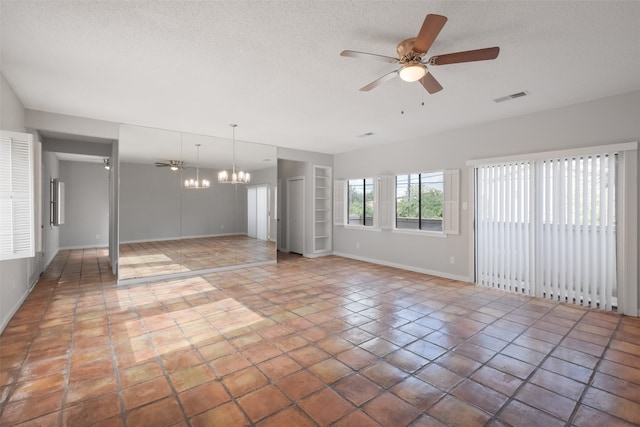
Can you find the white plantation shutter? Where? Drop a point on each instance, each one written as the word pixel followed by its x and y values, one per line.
pixel 339 205
pixel 451 203
pixel 16 196
pixel 386 204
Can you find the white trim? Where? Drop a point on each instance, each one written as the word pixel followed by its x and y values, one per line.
pixel 317 254
pixel 15 308
pixel 571 152
pixel 70 248
pixel 360 227
pixel 407 267
pixel 426 233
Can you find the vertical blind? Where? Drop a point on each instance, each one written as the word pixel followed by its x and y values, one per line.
pixel 547 228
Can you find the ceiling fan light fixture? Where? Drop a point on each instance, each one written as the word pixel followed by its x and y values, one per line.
pixel 412 71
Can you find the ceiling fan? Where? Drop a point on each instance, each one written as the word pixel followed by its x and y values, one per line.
pixel 173 164
pixel 411 52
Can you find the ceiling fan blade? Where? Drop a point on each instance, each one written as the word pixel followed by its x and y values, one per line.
pixel 430 83
pixel 161 165
pixel 430 29
pixel 466 56
pixel 379 81
pixel 356 54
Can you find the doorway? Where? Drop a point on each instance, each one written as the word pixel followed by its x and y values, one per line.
pixel 258 212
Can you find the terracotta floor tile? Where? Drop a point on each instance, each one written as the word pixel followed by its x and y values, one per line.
pixel 87 389
pixel 289 417
pixel 228 364
pixel 511 366
pixel 390 410
pixel 141 394
pixel 30 408
pixel 278 367
pixel 546 400
pixel 500 381
pixel 177 361
pixel 92 411
pixel 374 344
pixel 587 416
pixel 613 405
pixel 330 370
pixel 559 384
pixel 439 376
pixel 455 412
pixel 357 389
pixel 418 393
pixel 263 402
pixel 379 346
pixel 299 385
pixel 567 369
pixel 478 395
pixel 139 373
pixel 316 406
pixel 384 374
pixel 200 399
pixel 244 381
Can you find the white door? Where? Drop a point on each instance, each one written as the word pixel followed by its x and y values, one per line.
pixel 295 215
pixel 258 212
pixel 262 212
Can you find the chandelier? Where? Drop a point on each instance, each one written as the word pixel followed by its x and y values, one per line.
pixel 234 177
pixel 197 183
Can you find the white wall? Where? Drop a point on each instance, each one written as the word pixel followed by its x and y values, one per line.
pixel 14 274
pixel 609 120
pixel 86 205
pixel 50 233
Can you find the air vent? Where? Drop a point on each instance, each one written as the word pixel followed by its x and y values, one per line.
pixel 366 134
pixel 512 96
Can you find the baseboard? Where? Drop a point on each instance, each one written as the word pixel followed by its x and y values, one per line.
pixel 71 248
pixel 407 267
pixel 317 255
pixel 14 309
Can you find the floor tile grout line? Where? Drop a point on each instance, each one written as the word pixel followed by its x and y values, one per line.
pixel 527 381
pixel 593 374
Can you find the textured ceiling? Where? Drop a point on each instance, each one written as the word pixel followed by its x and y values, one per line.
pixel 274 67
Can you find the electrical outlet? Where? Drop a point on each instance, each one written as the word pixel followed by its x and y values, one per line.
pixel 222 227
pixel 97 237
pixel 452 260
pixel 358 245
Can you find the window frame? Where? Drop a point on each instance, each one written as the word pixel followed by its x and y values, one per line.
pixel 420 230
pixel 372 183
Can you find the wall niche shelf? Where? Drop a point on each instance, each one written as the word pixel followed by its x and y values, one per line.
pixel 322 197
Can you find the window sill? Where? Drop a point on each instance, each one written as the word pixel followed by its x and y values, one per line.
pixel 361 227
pixel 437 234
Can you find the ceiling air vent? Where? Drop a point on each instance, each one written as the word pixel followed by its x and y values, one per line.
pixel 366 134
pixel 512 96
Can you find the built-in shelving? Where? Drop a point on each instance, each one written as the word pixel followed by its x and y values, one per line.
pixel 322 230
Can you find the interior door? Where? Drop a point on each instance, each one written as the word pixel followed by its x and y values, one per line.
pixel 251 212
pixel 295 215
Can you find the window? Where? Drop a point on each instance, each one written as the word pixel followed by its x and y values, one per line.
pixel 360 202
pixel 16 196
pixel 420 201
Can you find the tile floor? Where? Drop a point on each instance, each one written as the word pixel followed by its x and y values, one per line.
pixel 327 341
pixel 163 257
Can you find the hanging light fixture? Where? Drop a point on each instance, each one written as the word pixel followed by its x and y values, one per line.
pixel 197 183
pixel 235 177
